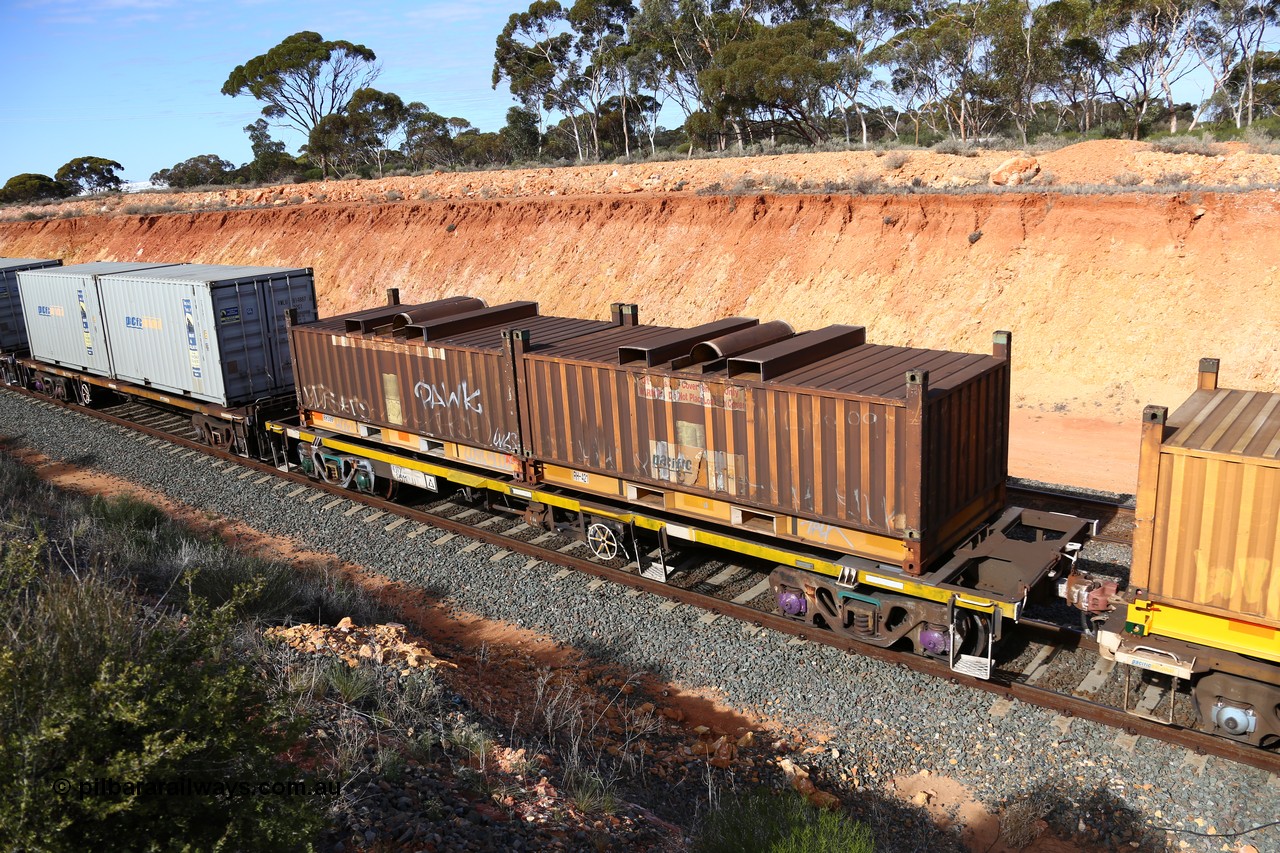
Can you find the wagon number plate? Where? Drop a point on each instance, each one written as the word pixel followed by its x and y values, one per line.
pixel 581 477
pixel 413 478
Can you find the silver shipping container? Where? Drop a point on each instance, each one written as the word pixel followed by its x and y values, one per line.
pixel 13 331
pixel 65 324
pixel 210 332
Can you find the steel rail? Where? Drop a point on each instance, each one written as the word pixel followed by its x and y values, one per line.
pixel 1001 685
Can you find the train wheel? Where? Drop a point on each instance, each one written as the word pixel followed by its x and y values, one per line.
pixel 1238 708
pixel 603 541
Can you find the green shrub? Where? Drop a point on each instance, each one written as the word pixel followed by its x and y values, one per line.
pixel 764 822
pixel 1202 146
pixel 96 692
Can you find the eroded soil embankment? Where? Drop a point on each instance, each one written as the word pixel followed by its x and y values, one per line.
pixel 1112 299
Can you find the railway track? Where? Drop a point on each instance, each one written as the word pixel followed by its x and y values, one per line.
pixel 1051 665
pixel 1115 520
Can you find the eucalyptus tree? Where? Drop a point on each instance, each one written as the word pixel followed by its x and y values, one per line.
pixel 784 73
pixel 1229 36
pixel 535 57
pixel 91 175
pixel 304 78
pixel 1148 46
pixel 374 120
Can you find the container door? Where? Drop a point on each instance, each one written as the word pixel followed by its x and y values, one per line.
pixel 64 322
pixel 294 290
pixel 242 340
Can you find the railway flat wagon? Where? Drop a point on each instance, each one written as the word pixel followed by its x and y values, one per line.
pixel 1209 497
pixel 892 454
pixel 1204 603
pixel 436 378
pixel 215 333
pixel 64 316
pixel 13 330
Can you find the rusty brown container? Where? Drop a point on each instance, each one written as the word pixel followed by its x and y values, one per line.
pixel 889 453
pixel 420 375
pixel 1208 501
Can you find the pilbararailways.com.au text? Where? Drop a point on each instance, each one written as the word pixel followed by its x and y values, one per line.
pixel 186 786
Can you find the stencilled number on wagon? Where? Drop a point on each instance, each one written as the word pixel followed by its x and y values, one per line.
pixel 581 477
pixel 857 418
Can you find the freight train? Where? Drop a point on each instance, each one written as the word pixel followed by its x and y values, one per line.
pixel 871 477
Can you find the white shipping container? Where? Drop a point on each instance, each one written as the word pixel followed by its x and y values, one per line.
pixel 63 318
pixel 211 332
pixel 13 331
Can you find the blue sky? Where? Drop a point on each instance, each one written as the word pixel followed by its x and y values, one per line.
pixel 138 81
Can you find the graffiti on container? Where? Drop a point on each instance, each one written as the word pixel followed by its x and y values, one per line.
pixel 320 398
pixel 727 397
pixel 855 418
pixel 506 442
pixel 862 509
pixel 438 396
pixel 595 452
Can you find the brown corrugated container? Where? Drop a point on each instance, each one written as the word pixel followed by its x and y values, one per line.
pixel 890 453
pixel 440 370
pixel 1208 501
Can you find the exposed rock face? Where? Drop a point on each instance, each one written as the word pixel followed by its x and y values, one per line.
pixel 1015 171
pixel 1112 299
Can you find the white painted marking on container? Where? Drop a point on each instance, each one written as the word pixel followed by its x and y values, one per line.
pixel 331 504
pixel 499 557
pixel 721 577
pixel 595 584
pixel 1097 677
pixel 467 549
pixel 448 537
pixel 297 491
pixel 317 496
pixel 1038 669
pixel 1000 708
pixel 353 510
pixel 393 525
pixel 562 574
pixel 708 617
pixel 754 592
pixel 1195 763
